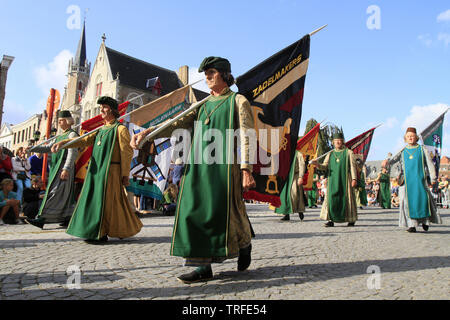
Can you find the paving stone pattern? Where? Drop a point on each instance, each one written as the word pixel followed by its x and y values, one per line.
pixel 290 260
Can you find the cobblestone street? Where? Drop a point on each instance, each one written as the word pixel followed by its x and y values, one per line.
pixel 290 260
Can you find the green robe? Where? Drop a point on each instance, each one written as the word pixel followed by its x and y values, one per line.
pixel 59 199
pixel 210 208
pixel 419 203
pixel 87 218
pixel 312 195
pixel 360 192
pixel 339 204
pixel 385 191
pixel 291 197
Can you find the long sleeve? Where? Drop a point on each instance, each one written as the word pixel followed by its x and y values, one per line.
pixel 71 154
pixel 126 152
pixel 324 165
pixel 352 165
pixel 246 123
pixel 430 165
pixel 44 148
pixel 84 142
pixel 301 164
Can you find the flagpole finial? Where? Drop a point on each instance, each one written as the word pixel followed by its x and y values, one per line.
pixel 317 30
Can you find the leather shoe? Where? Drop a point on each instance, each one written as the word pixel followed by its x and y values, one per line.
pixel 36 222
pixel 301 215
pixel 412 229
pixel 245 258
pixel 329 224
pixel 102 240
pixel 425 227
pixel 195 276
pixel 351 224
pixel 286 218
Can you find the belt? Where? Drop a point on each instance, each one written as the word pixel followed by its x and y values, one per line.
pixel 115 162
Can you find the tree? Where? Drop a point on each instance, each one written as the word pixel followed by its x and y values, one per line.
pixel 325 141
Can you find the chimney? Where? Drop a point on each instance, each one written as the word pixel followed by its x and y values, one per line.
pixel 183 74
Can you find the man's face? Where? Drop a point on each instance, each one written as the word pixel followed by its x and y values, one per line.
pixel 213 79
pixel 338 143
pixel 38 184
pixel 411 138
pixel 105 111
pixel 63 124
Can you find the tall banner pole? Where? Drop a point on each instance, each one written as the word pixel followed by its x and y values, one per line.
pixel 50 108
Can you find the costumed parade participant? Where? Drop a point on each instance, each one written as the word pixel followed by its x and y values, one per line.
pixel 417 206
pixel 103 209
pixel 211 223
pixel 339 204
pixel 360 190
pixel 384 194
pixel 59 199
pixel 312 194
pixel 292 196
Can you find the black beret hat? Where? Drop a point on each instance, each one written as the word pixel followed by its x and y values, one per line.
pixel 221 64
pixel 112 103
pixel 64 114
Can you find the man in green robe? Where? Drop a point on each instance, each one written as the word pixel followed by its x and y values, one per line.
pixel 417 205
pixel 384 194
pixel 339 204
pixel 312 194
pixel 292 195
pixel 211 223
pixel 59 199
pixel 103 208
pixel 360 190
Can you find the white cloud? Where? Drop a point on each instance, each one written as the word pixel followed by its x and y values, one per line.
pixel 445 37
pixel 52 75
pixel 425 39
pixel 422 116
pixel 443 16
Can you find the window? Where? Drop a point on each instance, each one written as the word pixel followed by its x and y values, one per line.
pixel 99 89
pixel 15 138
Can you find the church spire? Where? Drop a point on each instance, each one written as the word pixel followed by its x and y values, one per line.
pixel 80 57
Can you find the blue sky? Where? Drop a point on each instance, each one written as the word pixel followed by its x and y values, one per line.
pixel 397 75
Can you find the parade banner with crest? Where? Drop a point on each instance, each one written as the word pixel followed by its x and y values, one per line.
pixel 432 140
pixel 151 163
pixel 274 89
pixel 307 145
